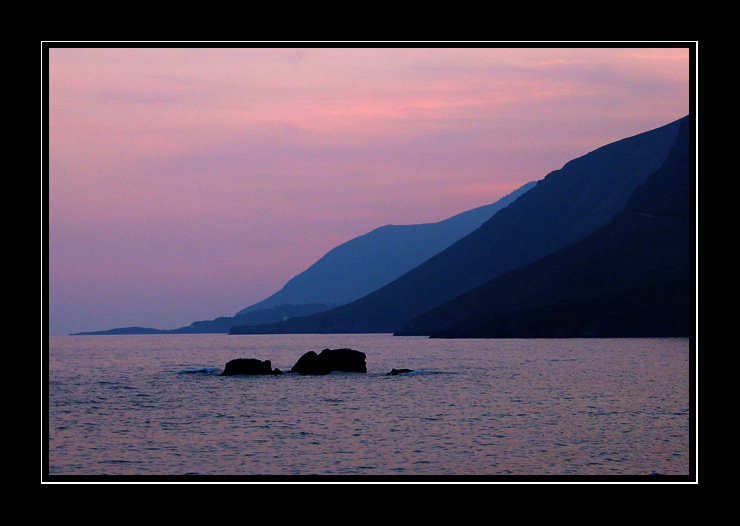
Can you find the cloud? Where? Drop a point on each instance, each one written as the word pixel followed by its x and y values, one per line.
pixel 171 163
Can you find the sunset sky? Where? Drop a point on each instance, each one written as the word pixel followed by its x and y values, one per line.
pixel 189 183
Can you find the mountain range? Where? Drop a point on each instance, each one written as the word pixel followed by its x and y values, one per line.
pixel 600 247
pixel 366 263
pixel 631 278
pixel 349 271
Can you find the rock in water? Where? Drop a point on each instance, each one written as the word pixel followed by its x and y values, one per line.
pixel 248 366
pixel 394 372
pixel 345 360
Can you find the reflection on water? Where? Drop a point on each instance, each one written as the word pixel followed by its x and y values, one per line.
pixel 155 405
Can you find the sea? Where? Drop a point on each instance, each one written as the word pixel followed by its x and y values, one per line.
pixel 155 408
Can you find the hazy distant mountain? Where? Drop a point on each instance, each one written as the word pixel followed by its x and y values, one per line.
pixel 633 277
pixel 120 331
pixel 566 206
pixel 366 263
pixel 349 271
pixel 224 323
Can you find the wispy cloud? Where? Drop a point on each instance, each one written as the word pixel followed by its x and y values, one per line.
pixel 163 160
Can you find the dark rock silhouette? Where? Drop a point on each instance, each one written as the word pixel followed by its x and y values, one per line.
pixel 345 360
pixel 395 372
pixel 249 366
pixel 565 207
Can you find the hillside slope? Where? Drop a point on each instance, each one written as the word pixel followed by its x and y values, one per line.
pixel 366 263
pixel 566 206
pixel 633 277
pixel 347 272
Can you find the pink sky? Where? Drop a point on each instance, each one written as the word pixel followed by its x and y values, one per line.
pixel 187 184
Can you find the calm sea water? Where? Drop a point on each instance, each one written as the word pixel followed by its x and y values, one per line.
pixel 155 405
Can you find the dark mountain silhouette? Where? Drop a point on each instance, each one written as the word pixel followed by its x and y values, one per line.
pixel 566 206
pixel 633 277
pixel 349 271
pixel 366 263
